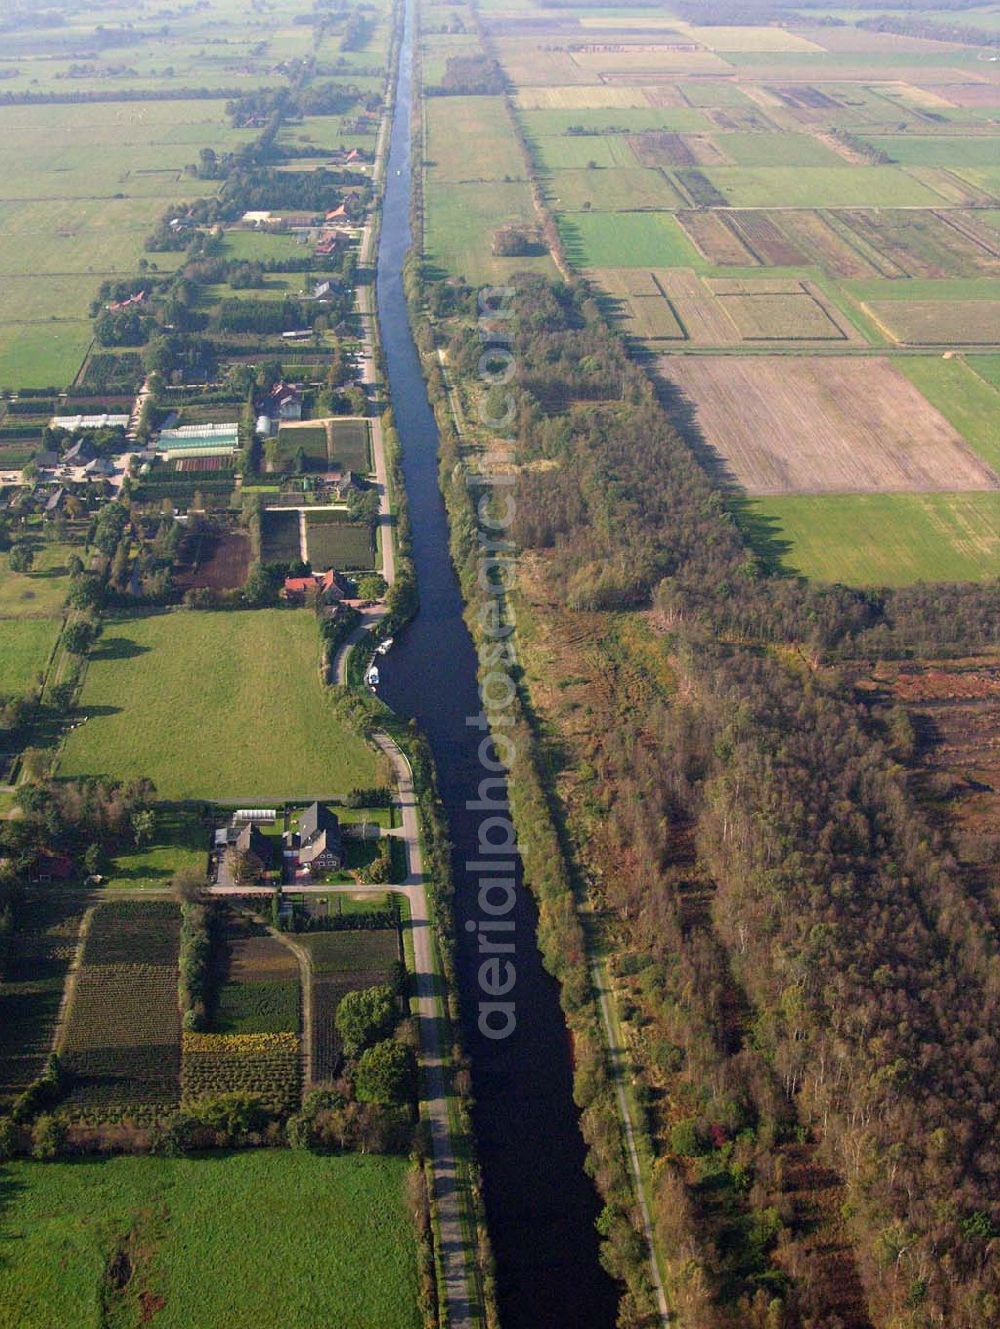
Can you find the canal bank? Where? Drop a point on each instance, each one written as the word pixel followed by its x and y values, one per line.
pixel 540 1205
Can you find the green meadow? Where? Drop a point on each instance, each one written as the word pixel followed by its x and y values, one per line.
pixel 179 841
pixel 820 187
pixel 26 647
pixel 879 539
pixel 224 706
pixel 962 397
pixel 269 1238
pixel 627 240
pixel 460 220
pixel 938 149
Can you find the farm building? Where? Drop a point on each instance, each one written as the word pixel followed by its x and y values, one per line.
pixel 329 242
pixel 284 402
pixel 80 453
pixel 200 441
pixel 296 589
pixel 138 299
pixel 232 842
pixel 99 469
pixel 75 422
pixel 320 843
pixel 324 290
pixel 46 459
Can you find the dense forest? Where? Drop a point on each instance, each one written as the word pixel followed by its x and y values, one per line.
pixel 815 979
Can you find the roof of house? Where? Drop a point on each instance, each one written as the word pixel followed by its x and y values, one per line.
pixel 55 499
pixel 324 581
pixel 251 840
pixel 80 452
pixel 324 842
pixel 46 458
pixel 317 819
pixel 337 212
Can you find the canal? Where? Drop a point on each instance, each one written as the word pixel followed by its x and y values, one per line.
pixel 540 1205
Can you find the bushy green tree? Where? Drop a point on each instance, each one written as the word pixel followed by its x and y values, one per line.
pixel 48 1137
pixel 386 1073
pixel 365 1016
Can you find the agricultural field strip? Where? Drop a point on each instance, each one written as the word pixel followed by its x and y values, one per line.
pixel 824 425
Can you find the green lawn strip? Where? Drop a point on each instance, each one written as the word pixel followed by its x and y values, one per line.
pixel 878 539
pixel 299 1241
pixel 179 841
pixel 987 367
pixel 225 706
pixel 963 398
pixel 28 644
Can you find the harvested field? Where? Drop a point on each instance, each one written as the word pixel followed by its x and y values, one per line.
pixel 787 317
pixel 703 318
pixel 715 240
pixel 764 239
pixel 571 98
pixel 939 322
pixel 813 234
pixel 738 39
pixel 645 62
pixel 787 425
pixel 924 244
pixel 223 566
pixel 652 317
pixel 659 147
pixel 626 281
pixel 966 94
